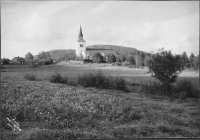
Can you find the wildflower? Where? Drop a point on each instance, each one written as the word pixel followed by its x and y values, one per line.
pixel 13 124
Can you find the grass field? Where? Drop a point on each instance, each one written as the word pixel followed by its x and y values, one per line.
pixel 50 111
pixel 46 110
pixel 72 70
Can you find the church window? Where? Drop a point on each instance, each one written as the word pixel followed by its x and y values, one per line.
pixel 81 45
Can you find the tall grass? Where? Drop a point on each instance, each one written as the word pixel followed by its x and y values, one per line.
pixel 181 89
pixel 99 80
pixel 31 77
pixel 92 79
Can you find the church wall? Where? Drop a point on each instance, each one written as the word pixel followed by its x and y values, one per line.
pixel 80 50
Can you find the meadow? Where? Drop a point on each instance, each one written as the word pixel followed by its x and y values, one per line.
pixel 72 70
pixel 47 110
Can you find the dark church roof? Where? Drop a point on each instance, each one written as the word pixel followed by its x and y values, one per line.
pixel 93 49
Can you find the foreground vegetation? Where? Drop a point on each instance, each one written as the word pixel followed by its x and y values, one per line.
pixel 48 110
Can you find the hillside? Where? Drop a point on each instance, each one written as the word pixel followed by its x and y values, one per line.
pixel 58 54
pixel 118 50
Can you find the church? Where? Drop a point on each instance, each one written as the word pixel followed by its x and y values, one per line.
pixel 87 53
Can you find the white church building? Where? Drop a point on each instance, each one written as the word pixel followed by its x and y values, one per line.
pixel 81 45
pixel 86 53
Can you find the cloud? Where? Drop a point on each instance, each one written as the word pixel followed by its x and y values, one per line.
pixel 147 26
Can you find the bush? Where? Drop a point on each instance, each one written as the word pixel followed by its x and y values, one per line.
pixel 111 58
pixel 186 87
pixel 31 77
pixel 131 59
pixel 57 78
pixel 87 61
pixel 181 89
pixel 97 58
pixel 99 80
pixel 126 63
pixel 196 63
pixel 151 87
pixel 165 67
pixel 119 83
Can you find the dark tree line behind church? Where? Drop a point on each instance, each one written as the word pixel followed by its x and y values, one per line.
pixel 136 59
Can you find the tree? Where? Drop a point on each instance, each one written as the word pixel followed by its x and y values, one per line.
pixel 5 61
pixel 196 63
pixel 42 55
pixel 185 60
pixel 48 55
pixel 136 60
pixel 29 56
pixel 97 58
pixel 146 60
pixel 140 61
pixel 131 59
pixel 165 67
pixel 111 58
pixel 142 54
pixel 118 59
pixel 123 58
pixel 70 56
pixel 192 57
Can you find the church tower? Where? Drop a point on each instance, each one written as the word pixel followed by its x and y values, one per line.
pixel 81 45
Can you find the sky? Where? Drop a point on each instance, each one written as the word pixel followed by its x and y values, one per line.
pixel 35 26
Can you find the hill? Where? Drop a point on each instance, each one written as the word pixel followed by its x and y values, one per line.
pixel 118 50
pixel 58 54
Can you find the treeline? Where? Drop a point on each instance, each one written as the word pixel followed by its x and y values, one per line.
pixel 41 55
pixel 137 59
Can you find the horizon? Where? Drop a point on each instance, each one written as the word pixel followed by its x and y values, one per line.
pixel 144 25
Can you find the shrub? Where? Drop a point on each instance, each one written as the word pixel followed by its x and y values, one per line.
pixel 123 58
pixel 57 78
pixel 131 59
pixel 72 81
pixel 126 63
pixel 87 61
pixel 99 80
pixel 165 67
pixel 181 89
pixel 31 77
pixel 97 58
pixel 119 83
pixel 185 88
pixel 151 87
pixel 111 58
pixel 196 63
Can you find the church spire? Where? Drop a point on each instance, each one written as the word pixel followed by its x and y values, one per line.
pixel 80 33
pixel 80 36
